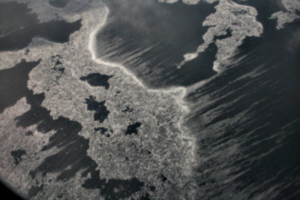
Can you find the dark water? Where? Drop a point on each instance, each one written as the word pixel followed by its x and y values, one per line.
pixel 12 91
pixel 101 112
pixel 18 29
pixel 253 105
pixel 17 155
pixel 150 39
pixel 102 131
pixel 133 128
pixel 97 79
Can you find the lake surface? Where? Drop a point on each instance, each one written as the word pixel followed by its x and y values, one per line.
pixel 150 39
pixel 17 31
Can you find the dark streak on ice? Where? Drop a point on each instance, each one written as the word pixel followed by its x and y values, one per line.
pixel 58 65
pixel 23 26
pixel 34 190
pixel 61 70
pixel 127 109
pixel 17 155
pixel 102 131
pixel 163 178
pixel 97 79
pixel 101 112
pixel 133 128
pixel 29 133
